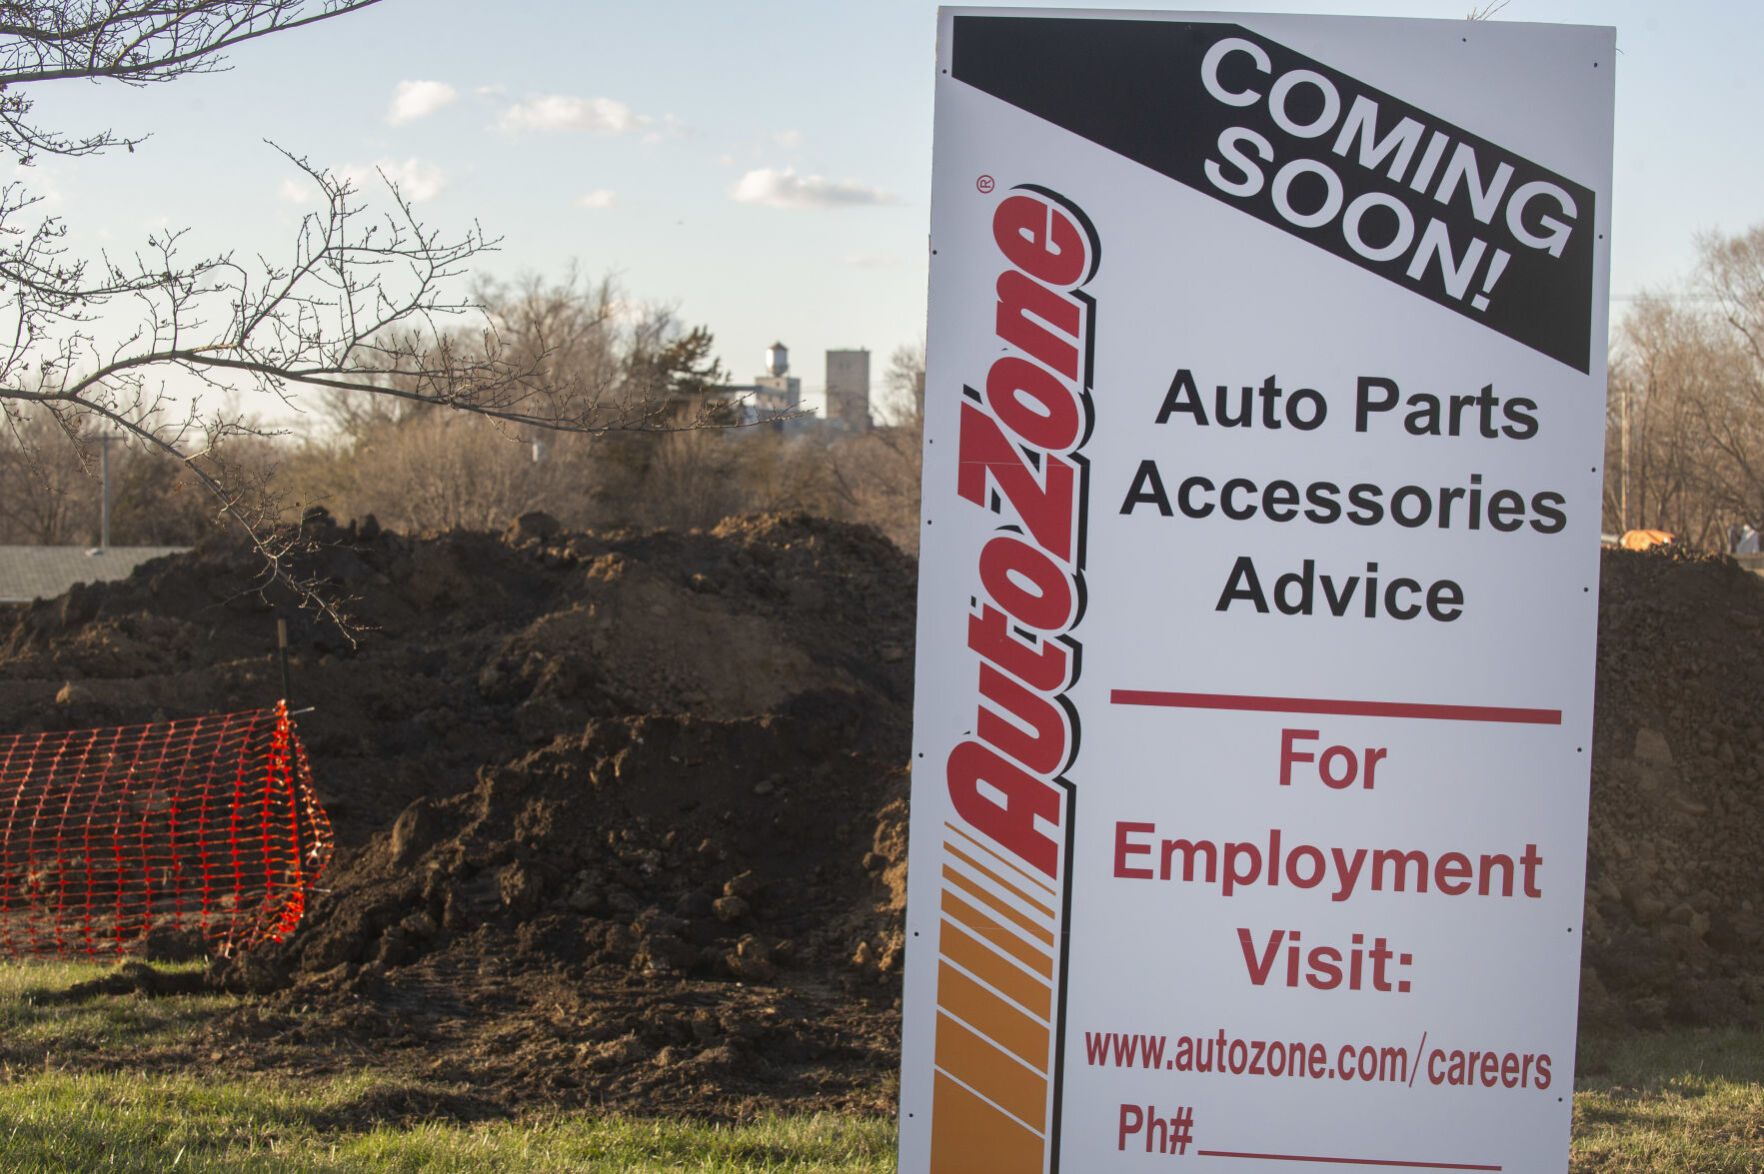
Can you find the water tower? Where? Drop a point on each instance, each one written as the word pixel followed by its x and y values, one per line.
pixel 777 359
pixel 777 391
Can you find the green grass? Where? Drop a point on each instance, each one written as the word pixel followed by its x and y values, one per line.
pixel 1687 1102
pixel 73 1097
pixel 29 1023
pixel 118 1122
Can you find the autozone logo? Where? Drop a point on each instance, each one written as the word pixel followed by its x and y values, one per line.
pixel 1004 882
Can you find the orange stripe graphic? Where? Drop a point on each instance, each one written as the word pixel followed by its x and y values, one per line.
pixel 969 1136
pixel 1001 936
pixel 1036 881
pixel 993 1056
pixel 997 1020
pixel 993 970
pixel 1000 881
pixel 982 1067
pixel 1045 937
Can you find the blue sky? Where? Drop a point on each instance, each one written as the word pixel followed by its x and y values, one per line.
pixel 763 167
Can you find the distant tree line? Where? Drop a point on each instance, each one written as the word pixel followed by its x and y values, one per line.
pixel 1684 441
pixel 662 448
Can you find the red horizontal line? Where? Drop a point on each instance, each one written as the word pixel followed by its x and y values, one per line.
pixel 1329 705
pixel 1345 1161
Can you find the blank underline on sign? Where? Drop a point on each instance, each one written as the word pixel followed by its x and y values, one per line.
pixel 1338 707
pixel 1346 1161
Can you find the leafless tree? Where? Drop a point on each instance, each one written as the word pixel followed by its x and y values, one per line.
pixel 903 385
pixel 367 299
pixel 652 447
pixel 1732 276
pixel 46 494
pixel 134 42
pixel 1662 390
pixel 445 471
pixel 874 476
pixel 1685 442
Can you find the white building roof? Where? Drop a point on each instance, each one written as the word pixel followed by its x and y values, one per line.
pixel 44 572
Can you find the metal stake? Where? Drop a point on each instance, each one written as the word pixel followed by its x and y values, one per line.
pixel 104 472
pixel 282 652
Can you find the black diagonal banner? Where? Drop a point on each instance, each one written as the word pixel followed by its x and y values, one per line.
pixel 1313 152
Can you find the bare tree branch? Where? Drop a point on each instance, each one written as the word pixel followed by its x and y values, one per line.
pixel 135 42
pixel 368 301
pixel 1687 392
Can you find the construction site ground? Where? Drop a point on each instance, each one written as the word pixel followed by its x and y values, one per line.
pixel 621 816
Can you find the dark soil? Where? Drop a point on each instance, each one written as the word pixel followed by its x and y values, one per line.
pixel 1674 923
pixel 621 816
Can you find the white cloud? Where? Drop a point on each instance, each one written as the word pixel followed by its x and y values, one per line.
pixel 604 198
pixel 554 112
pixel 724 160
pixel 38 181
pixel 790 140
pixel 414 100
pixel 417 181
pixel 786 189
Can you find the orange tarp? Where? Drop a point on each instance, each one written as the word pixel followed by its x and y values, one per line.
pixel 1642 539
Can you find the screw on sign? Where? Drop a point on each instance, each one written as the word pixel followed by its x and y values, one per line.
pixel 1159 1134
pixel 985 183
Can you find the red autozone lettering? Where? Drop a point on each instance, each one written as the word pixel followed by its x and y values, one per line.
pixel 1018 444
pixel 1043 501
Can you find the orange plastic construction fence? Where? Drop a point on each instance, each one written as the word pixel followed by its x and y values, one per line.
pixel 206 828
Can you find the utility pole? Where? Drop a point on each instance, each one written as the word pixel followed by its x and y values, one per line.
pixel 1623 456
pixel 104 473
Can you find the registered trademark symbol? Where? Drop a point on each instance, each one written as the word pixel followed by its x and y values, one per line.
pixel 985 183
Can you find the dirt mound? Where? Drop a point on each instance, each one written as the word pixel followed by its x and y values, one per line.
pixel 640 877
pixel 621 815
pixel 1676 845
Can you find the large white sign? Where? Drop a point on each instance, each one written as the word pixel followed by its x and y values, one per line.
pixel 1258 592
